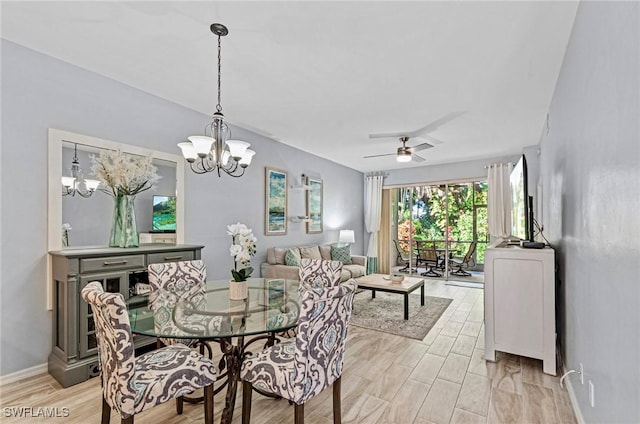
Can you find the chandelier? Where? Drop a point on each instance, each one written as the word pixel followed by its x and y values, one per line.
pixel 215 151
pixel 75 182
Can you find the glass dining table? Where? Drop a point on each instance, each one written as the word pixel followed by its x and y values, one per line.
pixel 272 306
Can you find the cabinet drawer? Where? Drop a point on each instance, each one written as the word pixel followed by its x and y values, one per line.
pixel 157 258
pixel 111 263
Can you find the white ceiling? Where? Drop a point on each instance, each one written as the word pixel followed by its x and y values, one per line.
pixel 322 76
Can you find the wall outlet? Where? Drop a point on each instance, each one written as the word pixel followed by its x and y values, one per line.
pixel 581 373
pixel 592 394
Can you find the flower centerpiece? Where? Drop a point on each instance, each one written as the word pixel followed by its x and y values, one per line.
pixel 123 176
pixel 243 247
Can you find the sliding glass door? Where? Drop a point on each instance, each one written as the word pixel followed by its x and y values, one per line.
pixel 446 217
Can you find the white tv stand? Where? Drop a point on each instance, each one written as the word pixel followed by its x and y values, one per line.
pixel 519 303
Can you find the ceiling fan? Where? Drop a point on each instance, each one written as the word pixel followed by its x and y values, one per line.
pixel 404 153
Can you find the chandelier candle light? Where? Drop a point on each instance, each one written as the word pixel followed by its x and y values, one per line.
pixel 243 247
pixel 215 151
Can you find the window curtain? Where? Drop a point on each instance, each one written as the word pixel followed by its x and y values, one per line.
pixel 372 211
pixel 499 200
pixel 384 235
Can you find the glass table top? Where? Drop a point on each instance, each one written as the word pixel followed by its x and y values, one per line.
pixel 271 306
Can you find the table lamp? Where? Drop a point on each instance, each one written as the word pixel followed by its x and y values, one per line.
pixel 347 237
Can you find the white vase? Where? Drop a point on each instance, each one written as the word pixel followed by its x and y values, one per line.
pixel 238 290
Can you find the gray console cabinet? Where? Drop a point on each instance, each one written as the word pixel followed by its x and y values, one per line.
pixel 74 357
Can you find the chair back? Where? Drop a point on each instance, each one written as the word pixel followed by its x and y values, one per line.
pixel 172 282
pixel 403 255
pixel 469 255
pixel 319 272
pixel 115 345
pixel 427 250
pixel 325 313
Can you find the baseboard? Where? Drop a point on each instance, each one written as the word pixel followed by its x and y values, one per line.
pixel 574 400
pixel 22 374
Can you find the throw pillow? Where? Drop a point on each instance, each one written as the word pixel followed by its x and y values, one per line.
pixel 342 254
pixel 311 252
pixel 291 258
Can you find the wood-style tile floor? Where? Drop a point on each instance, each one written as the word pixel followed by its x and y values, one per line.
pixel 386 379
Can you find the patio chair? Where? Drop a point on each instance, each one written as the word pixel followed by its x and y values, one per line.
pixel 456 264
pixel 405 257
pixel 428 257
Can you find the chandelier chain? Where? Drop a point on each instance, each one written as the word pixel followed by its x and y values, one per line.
pixel 219 106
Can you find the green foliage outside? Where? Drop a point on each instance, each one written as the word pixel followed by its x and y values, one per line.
pixel 429 215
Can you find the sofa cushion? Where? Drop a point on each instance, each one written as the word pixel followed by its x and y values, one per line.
pixel 311 252
pixel 355 270
pixel 292 257
pixel 278 253
pixel 342 254
pixel 325 252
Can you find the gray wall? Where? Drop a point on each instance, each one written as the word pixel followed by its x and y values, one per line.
pixel 39 92
pixel 590 170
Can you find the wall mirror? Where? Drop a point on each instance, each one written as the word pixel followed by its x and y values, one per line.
pixel 90 218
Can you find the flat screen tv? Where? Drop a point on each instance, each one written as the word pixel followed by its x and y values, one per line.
pixel 164 214
pixel 521 225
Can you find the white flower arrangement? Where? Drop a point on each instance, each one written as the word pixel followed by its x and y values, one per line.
pixel 124 174
pixel 243 247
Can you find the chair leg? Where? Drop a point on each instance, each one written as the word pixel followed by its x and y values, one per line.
pixel 247 389
pixel 208 404
pixel 337 402
pixel 106 411
pixel 298 414
pixel 179 404
pixel 127 420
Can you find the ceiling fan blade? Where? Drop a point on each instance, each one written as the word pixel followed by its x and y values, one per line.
pixel 386 135
pixel 417 158
pixel 378 156
pixel 436 124
pixel 422 146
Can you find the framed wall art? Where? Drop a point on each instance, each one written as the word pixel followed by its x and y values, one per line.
pixel 276 202
pixel 314 205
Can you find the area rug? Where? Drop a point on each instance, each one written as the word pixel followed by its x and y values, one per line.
pixel 386 313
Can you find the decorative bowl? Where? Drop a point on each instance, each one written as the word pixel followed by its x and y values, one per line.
pixel 396 278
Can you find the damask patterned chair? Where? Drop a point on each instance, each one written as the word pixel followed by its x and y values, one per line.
pixel 319 272
pixel 170 283
pixel 131 385
pixel 301 368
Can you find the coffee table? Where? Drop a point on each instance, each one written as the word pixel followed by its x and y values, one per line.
pixel 378 282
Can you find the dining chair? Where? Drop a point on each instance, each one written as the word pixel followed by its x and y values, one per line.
pixel 171 283
pixel 132 384
pixel 300 368
pixel 459 263
pixel 312 272
pixel 320 272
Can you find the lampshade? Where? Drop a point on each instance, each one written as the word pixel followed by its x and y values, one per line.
pixel 347 236
pixel 201 144
pixel 237 148
pixel 246 159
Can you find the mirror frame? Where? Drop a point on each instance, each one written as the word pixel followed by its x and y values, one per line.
pixel 54 199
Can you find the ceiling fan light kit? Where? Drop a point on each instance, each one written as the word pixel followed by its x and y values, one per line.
pixel 404 155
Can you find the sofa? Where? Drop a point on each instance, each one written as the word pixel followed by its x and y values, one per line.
pixel 275 267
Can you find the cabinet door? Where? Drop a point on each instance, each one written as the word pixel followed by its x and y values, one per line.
pixel 518 301
pixel 115 282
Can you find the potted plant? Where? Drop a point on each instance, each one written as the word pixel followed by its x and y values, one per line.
pixel 243 247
